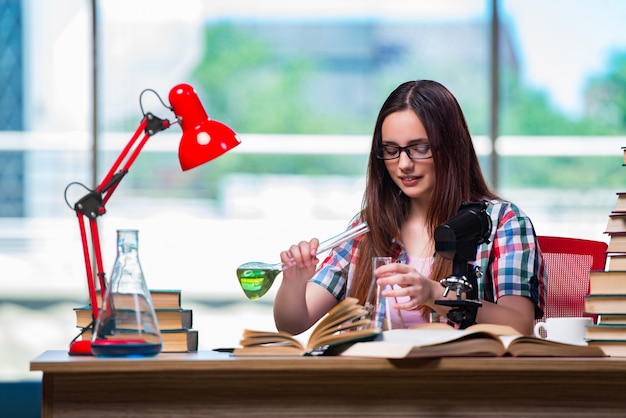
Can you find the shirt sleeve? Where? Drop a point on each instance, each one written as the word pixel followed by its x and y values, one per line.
pixel 334 272
pixel 514 265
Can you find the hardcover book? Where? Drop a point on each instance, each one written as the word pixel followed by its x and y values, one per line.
pixel 616 223
pixel 480 340
pixel 620 204
pixel 345 323
pixel 161 298
pixel 617 262
pixel 174 340
pixel 613 348
pixel 606 331
pixel 607 282
pixel 596 303
pixel 617 243
pixel 167 318
pixel 612 319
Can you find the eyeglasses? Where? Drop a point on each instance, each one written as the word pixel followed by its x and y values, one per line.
pixel 415 152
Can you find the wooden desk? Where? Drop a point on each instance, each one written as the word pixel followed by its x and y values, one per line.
pixel 214 384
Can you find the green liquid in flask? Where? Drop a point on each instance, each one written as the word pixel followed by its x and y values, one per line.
pixel 255 282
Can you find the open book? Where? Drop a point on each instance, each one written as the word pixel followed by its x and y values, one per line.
pixel 480 340
pixel 344 323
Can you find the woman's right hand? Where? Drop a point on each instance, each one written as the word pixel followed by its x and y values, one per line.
pixel 299 303
pixel 300 260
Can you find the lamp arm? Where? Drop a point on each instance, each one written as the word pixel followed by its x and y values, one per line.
pixel 93 204
pixel 91 285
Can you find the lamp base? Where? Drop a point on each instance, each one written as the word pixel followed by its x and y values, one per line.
pixel 80 348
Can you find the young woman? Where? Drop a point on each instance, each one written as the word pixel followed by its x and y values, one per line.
pixel 422 167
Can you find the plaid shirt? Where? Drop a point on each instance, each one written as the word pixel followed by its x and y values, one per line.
pixel 511 261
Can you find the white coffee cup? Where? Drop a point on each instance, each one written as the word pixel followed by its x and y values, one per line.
pixel 564 330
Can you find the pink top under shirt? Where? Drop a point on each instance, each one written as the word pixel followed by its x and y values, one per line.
pixel 407 318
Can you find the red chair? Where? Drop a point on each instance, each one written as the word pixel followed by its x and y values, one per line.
pixel 568 262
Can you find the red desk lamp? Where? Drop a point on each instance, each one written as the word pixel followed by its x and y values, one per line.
pixel 203 139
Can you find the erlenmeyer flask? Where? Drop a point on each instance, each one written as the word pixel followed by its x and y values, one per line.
pixel 127 324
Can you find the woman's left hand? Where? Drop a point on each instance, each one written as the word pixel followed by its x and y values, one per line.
pixel 403 281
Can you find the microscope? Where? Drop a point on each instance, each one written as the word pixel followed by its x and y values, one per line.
pixel 457 239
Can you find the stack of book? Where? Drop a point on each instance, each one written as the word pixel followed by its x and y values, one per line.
pixel 607 288
pixel 175 322
pixel 616 229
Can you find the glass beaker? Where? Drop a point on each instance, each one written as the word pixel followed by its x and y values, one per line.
pixel 127 324
pixel 380 308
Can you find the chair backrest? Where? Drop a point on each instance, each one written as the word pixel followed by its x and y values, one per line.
pixel 568 262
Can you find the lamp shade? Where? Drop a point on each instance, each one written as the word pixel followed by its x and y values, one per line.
pixel 203 138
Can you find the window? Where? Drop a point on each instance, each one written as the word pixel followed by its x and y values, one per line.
pixel 302 85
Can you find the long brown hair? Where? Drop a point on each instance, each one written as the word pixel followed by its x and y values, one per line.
pixel 457 172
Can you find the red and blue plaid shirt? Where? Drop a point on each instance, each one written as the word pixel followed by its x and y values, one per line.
pixel 511 260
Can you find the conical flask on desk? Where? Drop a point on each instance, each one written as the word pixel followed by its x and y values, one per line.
pixel 127 324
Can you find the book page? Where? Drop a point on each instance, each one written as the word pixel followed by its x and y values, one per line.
pixel 252 337
pixel 332 324
pixel 268 351
pixel 496 329
pixel 364 334
pixel 429 342
pixel 528 346
pixel 338 333
pixel 343 311
pixel 413 343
